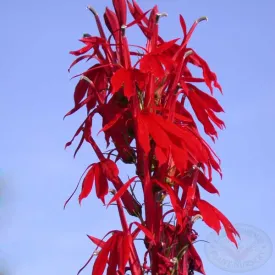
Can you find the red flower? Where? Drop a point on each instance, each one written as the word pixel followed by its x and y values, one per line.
pixel 213 217
pixel 129 78
pixel 148 124
pixel 100 173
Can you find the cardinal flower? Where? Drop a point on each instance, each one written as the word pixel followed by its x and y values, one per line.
pixel 150 103
pixel 98 173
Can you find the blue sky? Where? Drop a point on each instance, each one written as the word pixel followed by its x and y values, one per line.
pixel 36 236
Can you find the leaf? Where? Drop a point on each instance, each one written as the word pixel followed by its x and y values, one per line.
pixel 122 190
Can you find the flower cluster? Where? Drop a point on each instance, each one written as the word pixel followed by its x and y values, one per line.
pixel 141 96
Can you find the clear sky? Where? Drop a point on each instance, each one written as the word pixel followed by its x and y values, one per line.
pixel 36 236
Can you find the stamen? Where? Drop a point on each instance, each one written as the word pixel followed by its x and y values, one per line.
pixel 92 10
pixel 188 53
pixel 203 18
pixel 159 15
pixel 123 29
pixel 196 217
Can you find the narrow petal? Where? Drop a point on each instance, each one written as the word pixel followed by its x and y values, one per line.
pixel 87 184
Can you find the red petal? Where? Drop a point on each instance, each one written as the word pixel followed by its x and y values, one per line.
pixel 146 231
pixel 143 135
pixel 80 91
pixel 206 184
pixel 228 227
pixel 198 265
pixel 122 190
pixel 157 133
pixel 160 155
pixel 79 59
pixel 121 12
pixel 180 157
pixel 101 183
pixel 209 215
pixel 183 25
pixel 76 186
pixel 124 252
pixel 102 258
pixel 112 22
pixel 165 46
pixel 208 101
pixel 87 184
pixel 120 77
pixel 174 201
pixel 111 123
pixel 96 241
pixel 109 169
pixel 82 50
